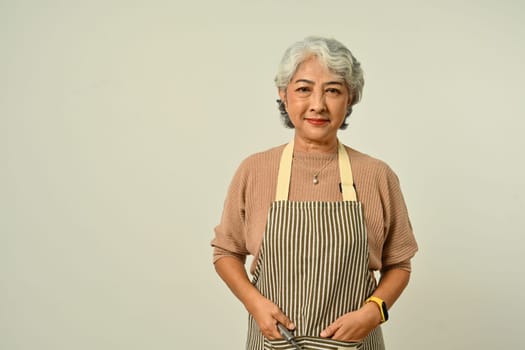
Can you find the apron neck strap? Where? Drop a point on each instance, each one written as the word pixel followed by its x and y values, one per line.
pixel 285 172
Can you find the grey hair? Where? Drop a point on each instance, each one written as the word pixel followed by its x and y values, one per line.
pixel 330 53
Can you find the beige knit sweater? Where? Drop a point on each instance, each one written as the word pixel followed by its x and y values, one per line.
pixel 390 238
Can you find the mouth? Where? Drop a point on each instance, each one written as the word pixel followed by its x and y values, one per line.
pixel 317 122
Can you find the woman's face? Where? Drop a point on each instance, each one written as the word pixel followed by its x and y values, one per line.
pixel 316 100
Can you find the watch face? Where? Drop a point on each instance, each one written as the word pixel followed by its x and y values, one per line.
pixel 385 310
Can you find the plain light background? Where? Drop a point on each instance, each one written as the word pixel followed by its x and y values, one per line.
pixel 122 122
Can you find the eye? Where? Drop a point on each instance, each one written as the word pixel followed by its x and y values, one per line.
pixel 303 89
pixel 333 91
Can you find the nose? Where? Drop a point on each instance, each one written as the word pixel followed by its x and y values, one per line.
pixel 317 102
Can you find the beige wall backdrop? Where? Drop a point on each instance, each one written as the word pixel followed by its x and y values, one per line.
pixel 122 122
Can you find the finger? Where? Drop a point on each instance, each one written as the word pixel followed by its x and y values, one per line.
pixel 338 334
pixel 271 332
pixel 276 332
pixel 329 331
pixel 285 321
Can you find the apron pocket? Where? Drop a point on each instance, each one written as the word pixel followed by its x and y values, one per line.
pixel 311 343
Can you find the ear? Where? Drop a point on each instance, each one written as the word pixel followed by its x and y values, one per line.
pixel 282 95
pixel 351 97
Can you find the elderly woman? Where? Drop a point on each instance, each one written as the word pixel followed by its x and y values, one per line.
pixel 319 217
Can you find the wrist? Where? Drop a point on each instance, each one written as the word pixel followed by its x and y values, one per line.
pixel 250 297
pixel 380 306
pixel 372 313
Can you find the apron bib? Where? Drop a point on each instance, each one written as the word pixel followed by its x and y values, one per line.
pixel 313 263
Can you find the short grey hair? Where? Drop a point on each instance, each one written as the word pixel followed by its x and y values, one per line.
pixel 333 55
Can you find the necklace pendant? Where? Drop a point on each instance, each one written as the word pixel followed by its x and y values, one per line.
pixel 316 180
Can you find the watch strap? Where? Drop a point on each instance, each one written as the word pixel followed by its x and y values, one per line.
pixel 382 307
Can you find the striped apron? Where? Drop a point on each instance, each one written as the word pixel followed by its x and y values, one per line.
pixel 313 263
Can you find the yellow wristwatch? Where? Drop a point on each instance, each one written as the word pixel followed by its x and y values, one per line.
pixel 382 307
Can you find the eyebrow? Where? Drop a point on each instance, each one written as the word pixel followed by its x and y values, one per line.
pixel 312 82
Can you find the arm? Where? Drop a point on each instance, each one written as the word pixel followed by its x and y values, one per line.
pixel 356 325
pixel 391 285
pixel 265 312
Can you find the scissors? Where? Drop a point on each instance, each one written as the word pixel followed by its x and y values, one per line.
pixel 288 336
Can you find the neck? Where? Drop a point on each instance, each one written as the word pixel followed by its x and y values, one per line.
pixel 310 146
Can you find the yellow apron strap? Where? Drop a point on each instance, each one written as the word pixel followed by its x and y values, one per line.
pixel 345 170
pixel 285 171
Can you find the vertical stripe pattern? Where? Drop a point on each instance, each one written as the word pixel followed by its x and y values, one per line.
pixel 313 264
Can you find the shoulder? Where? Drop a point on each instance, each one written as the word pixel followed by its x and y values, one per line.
pixel 260 163
pixel 363 163
pixel 263 158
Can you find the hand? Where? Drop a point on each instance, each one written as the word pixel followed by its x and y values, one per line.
pixel 267 314
pixel 354 326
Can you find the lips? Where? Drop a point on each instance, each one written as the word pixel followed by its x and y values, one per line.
pixel 316 121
